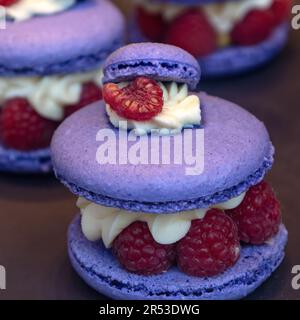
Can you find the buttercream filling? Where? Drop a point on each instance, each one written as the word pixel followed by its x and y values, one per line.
pixel 48 95
pixel 99 222
pixel 180 110
pixel 223 16
pixel 26 9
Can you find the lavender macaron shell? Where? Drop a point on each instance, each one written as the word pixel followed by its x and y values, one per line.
pixel 99 268
pixel 158 61
pixel 25 162
pixel 75 40
pixel 237 154
pixel 236 59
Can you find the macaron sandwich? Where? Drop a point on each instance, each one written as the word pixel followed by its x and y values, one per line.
pixel 227 37
pixel 153 223
pixel 51 52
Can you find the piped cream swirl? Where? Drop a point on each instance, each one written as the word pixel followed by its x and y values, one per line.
pixel 105 223
pixel 48 95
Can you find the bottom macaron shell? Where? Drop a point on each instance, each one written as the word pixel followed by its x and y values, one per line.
pixel 100 269
pixel 14 161
pixel 234 60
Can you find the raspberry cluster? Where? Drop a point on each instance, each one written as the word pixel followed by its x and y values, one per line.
pixel 22 128
pixel 192 31
pixel 212 244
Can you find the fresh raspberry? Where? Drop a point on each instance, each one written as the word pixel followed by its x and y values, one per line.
pixel 254 28
pixel 6 3
pixel 90 93
pixel 193 32
pixel 141 100
pixel 22 128
pixel 258 217
pixel 151 25
pixel 210 247
pixel 138 252
pixel 281 10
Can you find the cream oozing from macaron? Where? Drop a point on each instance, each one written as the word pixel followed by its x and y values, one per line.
pixel 99 222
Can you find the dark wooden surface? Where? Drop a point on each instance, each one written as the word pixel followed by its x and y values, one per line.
pixel 36 210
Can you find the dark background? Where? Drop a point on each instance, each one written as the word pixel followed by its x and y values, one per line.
pixel 35 210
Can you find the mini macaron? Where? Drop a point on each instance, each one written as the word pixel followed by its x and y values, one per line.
pixel 228 42
pixel 237 153
pixel 49 62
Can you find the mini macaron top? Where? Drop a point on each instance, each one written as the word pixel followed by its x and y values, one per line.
pixel 74 40
pixel 157 61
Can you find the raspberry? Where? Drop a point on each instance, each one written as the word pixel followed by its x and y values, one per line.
pixel 151 25
pixel 6 3
pixel 90 93
pixel 281 10
pixel 141 100
pixel 138 252
pixel 254 28
pixel 22 128
pixel 210 247
pixel 192 32
pixel 258 217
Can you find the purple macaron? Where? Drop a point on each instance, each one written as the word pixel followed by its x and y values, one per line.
pixel 228 60
pixel 162 63
pixel 75 40
pixel 58 44
pixel 236 151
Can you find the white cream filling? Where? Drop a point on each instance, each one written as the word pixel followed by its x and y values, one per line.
pixel 25 9
pixel 105 223
pixel 179 110
pixel 48 95
pixel 223 16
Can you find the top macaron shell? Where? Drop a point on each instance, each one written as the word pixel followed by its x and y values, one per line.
pixel 237 154
pixel 74 40
pixel 158 61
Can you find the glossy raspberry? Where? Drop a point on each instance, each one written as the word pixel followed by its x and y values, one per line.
pixel 210 247
pixel 254 28
pixel 7 3
pixel 281 10
pixel 90 93
pixel 139 253
pixel 258 217
pixel 141 100
pixel 192 32
pixel 22 128
pixel 152 25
